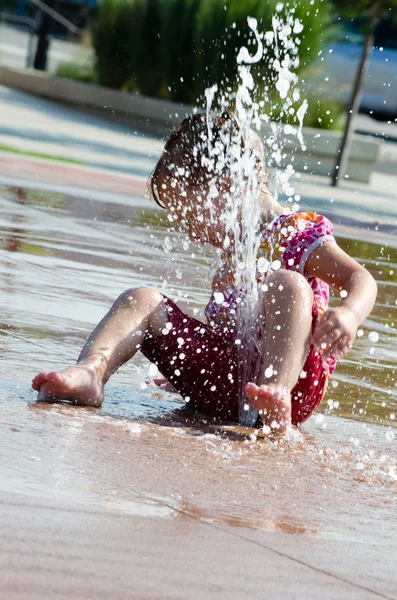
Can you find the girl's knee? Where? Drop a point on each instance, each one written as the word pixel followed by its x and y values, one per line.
pixel 148 297
pixel 149 304
pixel 290 284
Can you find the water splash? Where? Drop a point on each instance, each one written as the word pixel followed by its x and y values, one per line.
pixel 243 215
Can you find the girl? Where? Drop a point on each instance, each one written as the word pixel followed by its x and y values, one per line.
pixel 299 338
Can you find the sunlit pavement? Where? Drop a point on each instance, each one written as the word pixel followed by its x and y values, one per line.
pixel 59 547
pixel 109 156
pixel 33 125
pixel 57 551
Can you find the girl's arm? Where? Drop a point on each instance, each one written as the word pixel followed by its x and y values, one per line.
pixel 337 330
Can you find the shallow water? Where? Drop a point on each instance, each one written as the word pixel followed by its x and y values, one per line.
pixel 64 259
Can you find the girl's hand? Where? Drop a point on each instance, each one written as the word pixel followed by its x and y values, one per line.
pixel 335 333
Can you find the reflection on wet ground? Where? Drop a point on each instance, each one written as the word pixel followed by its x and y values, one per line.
pixel 63 260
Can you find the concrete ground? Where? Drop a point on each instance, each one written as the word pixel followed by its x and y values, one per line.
pixel 55 551
pixel 59 549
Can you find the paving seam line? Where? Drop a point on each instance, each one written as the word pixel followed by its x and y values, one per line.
pixel 232 533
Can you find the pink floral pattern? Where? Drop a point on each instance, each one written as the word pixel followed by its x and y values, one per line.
pixel 287 242
pixel 290 239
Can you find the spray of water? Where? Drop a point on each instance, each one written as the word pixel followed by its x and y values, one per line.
pixel 242 217
pixel 243 158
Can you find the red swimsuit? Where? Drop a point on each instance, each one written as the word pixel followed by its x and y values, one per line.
pixel 201 360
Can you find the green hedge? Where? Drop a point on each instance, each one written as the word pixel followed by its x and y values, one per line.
pixel 176 48
pixel 79 72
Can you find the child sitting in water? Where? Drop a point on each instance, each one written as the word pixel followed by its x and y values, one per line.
pixel 299 337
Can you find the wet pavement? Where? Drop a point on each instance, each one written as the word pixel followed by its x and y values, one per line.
pixel 317 510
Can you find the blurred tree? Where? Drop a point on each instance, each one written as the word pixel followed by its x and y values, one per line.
pixel 125 37
pixel 148 64
pixel 178 41
pixel 368 12
pixel 176 48
pixel 221 33
pixel 115 47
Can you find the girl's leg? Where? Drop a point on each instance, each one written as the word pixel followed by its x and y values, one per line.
pixel 135 314
pixel 288 315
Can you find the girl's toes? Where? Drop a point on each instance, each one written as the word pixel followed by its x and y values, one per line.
pixel 57 381
pixel 252 391
pixel 53 376
pixel 38 381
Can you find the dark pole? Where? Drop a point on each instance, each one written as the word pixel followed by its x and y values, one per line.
pixel 342 157
pixel 43 41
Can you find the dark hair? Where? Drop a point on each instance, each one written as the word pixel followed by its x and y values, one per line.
pixel 187 148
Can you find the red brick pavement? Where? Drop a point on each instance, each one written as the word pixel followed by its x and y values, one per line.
pixel 68 174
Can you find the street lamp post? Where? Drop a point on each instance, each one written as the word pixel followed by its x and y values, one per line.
pixel 43 41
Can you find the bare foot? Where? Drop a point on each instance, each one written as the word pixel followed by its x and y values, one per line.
pixel 273 404
pixel 79 385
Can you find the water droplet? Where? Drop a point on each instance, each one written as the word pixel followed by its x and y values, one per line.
pixel 153 370
pixel 219 297
pixel 269 372
pixel 276 265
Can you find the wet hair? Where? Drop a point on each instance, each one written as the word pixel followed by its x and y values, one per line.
pixel 187 152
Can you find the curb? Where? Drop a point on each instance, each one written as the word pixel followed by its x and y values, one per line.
pixel 156 115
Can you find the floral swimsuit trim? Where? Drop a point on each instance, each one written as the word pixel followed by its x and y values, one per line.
pixel 287 242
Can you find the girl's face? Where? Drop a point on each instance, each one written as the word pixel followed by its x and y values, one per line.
pixel 199 204
pixel 189 207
